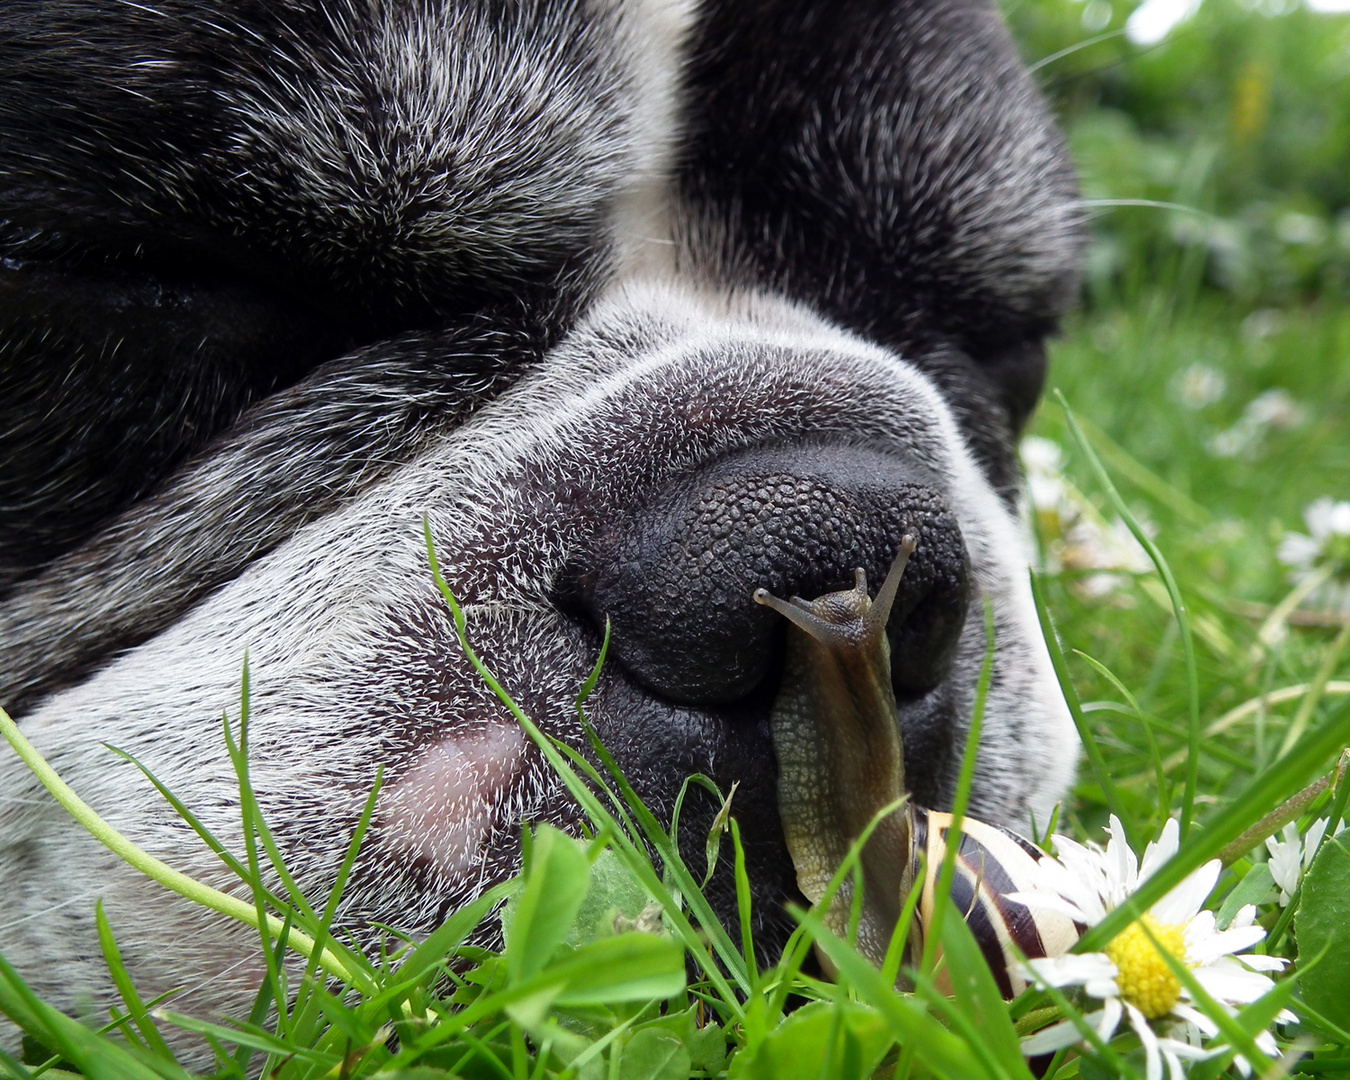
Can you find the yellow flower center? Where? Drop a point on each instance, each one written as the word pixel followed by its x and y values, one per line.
pixel 1145 980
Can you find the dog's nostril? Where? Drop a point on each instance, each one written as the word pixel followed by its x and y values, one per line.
pixel 676 578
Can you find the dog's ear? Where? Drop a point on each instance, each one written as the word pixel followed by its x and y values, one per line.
pixel 893 166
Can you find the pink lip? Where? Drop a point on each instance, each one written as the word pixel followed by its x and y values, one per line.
pixel 441 809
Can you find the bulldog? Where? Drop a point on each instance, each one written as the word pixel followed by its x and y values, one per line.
pixel 641 305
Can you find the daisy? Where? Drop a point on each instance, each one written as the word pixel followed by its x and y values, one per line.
pixel 1273 410
pixel 1321 556
pixel 1130 977
pixel 1290 857
pixel 1077 537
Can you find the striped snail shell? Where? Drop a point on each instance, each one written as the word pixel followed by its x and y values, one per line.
pixel 836 735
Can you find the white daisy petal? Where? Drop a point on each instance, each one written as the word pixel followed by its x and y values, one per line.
pixel 1229 981
pixel 1199 928
pixel 1110 1018
pixel 1075 884
pixel 1158 852
pixel 1257 962
pixel 1310 843
pixel 1044 901
pixel 1055 1037
pixel 1072 968
pixel 1189 1052
pixel 1194 1016
pixel 1121 867
pixel 1285 861
pixel 1086 881
pixel 1298 551
pixel 1066 847
pixel 1184 902
pixel 1208 948
pixel 1152 1056
pixel 1101 988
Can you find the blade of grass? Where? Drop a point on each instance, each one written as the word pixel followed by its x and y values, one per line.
pixel 944 1052
pixel 147 864
pixel 249 813
pixel 199 827
pixel 1270 788
pixel 1178 609
pixel 1142 477
pixel 262 1001
pixel 1085 734
pixel 743 903
pixel 323 932
pixel 965 779
pixel 96 1057
pixel 1154 752
pixel 257 1039
pixel 122 980
pixel 255 826
pixel 1331 660
pixel 637 861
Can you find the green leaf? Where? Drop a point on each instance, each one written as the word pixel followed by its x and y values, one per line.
pixel 629 967
pixel 1322 927
pixel 1252 889
pixel 452 933
pixel 555 886
pixel 98 1058
pixel 708 1048
pixel 613 891
pixel 707 1045
pixel 977 995
pixel 653 1054
pixel 814 1041
pixel 944 1053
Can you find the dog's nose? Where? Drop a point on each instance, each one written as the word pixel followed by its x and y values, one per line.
pixel 676 578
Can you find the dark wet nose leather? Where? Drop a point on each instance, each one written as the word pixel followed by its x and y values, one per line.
pixel 676 577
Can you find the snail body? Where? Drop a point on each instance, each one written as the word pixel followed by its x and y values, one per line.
pixel 836 736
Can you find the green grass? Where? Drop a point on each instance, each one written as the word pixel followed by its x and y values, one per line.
pixel 578 992
pixel 1218 519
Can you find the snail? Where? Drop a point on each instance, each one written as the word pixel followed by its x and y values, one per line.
pixel 836 735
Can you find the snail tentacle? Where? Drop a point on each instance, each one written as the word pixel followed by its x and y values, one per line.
pixel 880 611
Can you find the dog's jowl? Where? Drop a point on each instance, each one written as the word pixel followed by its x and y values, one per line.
pixel 641 304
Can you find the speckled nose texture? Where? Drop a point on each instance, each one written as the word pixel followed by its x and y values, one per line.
pixel 676 577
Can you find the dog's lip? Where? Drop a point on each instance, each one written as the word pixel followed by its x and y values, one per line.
pixel 440 810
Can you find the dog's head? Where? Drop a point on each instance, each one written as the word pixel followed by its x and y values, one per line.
pixel 767 307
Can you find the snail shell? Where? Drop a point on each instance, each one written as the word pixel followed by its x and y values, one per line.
pixel 836 736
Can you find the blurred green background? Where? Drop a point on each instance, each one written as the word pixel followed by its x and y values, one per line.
pixel 1211 357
